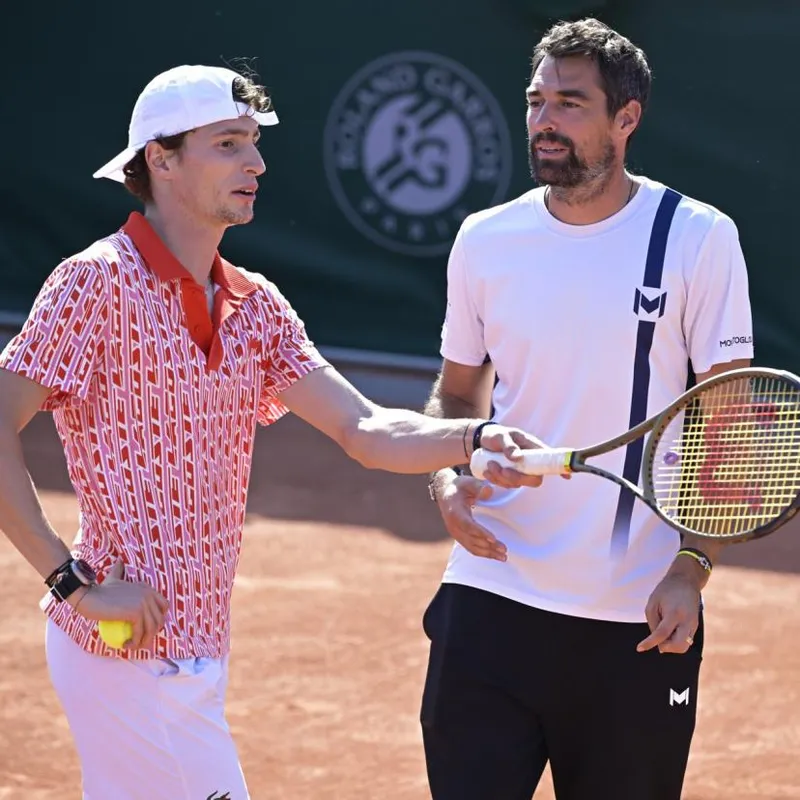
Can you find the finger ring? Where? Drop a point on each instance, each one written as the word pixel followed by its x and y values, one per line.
pixel 689 640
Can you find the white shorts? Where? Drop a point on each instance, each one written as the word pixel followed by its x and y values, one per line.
pixel 151 729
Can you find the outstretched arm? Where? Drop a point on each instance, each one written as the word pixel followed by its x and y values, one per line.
pixel 392 439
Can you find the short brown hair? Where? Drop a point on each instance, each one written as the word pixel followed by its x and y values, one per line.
pixel 624 72
pixel 137 173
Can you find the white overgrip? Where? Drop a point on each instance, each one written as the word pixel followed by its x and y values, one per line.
pixel 549 461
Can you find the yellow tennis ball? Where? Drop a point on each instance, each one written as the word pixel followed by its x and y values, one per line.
pixel 114 633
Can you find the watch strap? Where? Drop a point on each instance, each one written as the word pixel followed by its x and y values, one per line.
pixel 69 577
pixel 65 584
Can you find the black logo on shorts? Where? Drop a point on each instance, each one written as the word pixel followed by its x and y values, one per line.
pixel 218 796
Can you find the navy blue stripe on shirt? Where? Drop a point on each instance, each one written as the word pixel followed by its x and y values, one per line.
pixel 654 268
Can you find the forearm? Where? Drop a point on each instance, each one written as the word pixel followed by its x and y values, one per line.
pixel 22 518
pixel 391 439
pixel 404 441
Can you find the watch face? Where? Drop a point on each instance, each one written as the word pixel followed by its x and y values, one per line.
pixel 84 571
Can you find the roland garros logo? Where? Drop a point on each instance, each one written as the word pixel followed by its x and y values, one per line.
pixel 413 143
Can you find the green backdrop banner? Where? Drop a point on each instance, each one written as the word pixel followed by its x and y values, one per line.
pixel 397 119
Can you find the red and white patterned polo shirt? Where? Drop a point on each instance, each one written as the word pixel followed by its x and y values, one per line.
pixel 156 402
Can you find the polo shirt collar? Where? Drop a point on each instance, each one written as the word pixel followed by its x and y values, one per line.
pixel 166 267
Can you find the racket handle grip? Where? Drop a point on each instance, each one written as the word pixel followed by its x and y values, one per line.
pixel 549 461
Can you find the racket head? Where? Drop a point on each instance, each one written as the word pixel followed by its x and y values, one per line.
pixel 723 462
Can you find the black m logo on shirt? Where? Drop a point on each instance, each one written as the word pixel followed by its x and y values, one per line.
pixel 649 307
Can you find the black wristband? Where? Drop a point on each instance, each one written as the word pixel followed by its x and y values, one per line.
pixel 476 435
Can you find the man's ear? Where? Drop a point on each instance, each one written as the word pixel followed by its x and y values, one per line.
pixel 159 160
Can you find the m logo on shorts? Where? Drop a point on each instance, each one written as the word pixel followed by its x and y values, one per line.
pixel 679 698
pixel 414 143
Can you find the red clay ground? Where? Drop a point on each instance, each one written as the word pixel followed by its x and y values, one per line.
pixel 329 655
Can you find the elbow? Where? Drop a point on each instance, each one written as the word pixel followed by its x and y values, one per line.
pixel 356 441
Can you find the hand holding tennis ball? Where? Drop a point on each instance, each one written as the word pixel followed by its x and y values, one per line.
pixel 115 633
pixel 127 612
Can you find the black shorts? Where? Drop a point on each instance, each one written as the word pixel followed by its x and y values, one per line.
pixel 510 687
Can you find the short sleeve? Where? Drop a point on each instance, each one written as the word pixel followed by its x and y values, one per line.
pixel 462 331
pixel 718 319
pixel 289 354
pixel 60 342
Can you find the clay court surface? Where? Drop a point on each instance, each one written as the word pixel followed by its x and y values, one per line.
pixel 329 655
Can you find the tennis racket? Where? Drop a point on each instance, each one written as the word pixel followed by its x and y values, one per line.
pixel 722 461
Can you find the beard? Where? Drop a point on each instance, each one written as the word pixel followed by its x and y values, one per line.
pixel 569 171
pixel 217 208
pixel 233 216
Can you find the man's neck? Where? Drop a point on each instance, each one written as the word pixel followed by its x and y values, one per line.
pixel 192 243
pixel 594 202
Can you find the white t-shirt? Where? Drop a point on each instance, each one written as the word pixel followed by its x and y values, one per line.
pixel 587 337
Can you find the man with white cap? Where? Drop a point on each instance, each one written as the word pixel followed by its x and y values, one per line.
pixel 157 358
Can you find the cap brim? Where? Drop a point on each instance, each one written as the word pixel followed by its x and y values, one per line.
pixel 113 169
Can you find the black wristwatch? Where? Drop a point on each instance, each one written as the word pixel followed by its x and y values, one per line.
pixel 70 577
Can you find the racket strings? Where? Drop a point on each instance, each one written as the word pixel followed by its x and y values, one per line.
pixel 729 463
